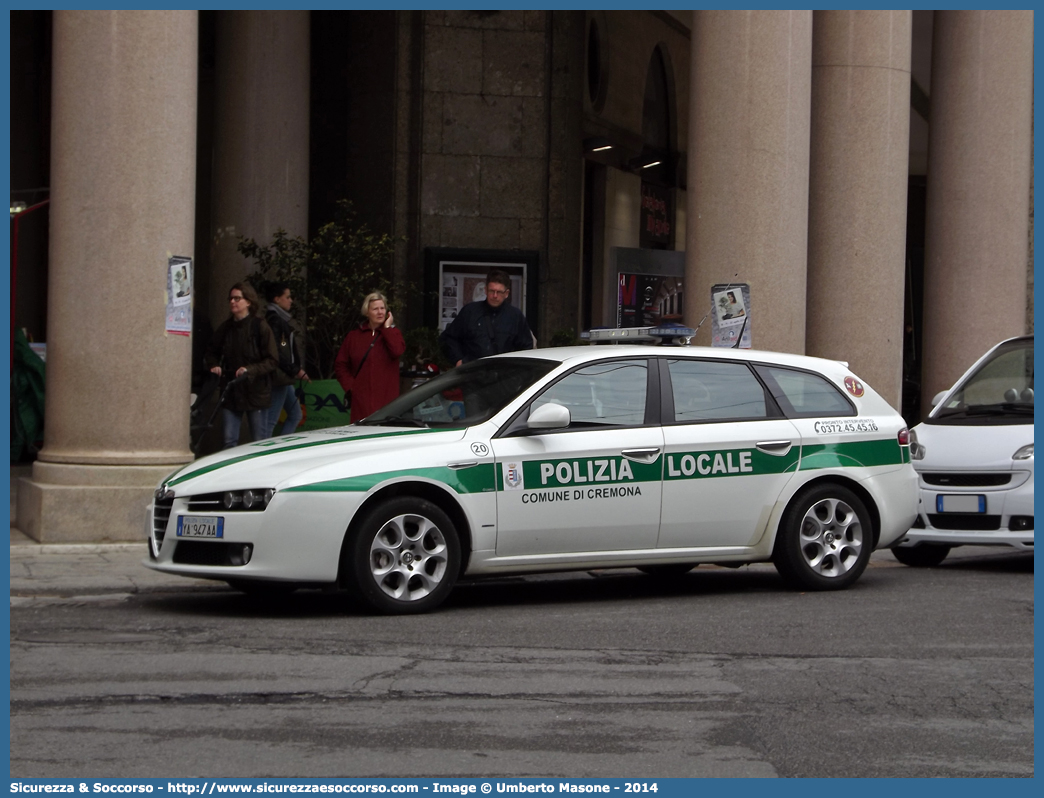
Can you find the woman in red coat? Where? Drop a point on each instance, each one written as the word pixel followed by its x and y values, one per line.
pixel 367 366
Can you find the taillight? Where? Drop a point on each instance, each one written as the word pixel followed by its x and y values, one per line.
pixel 904 437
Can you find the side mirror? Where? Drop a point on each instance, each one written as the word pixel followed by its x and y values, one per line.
pixel 939 397
pixel 549 416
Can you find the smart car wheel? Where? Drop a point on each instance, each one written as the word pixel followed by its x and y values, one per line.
pixel 405 557
pixel 927 555
pixel 824 539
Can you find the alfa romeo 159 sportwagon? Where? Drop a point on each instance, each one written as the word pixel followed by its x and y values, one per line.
pixel 554 460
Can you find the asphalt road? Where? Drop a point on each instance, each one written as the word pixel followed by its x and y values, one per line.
pixel 913 672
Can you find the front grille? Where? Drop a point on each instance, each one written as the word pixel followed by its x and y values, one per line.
pixel 206 503
pixel 967 480
pixel 160 515
pixel 967 522
pixel 199 552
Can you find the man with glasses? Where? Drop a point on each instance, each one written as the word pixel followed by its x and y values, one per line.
pixel 487 327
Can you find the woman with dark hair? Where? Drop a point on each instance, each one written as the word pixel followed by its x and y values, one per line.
pixel 243 349
pixel 290 337
pixel 367 365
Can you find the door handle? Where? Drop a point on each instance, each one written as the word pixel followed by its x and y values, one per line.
pixel 458 466
pixel 646 455
pixel 777 448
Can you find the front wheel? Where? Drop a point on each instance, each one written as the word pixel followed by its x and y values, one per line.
pixel 927 555
pixel 404 557
pixel 824 539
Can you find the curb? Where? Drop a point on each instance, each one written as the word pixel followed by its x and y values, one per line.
pixel 78 548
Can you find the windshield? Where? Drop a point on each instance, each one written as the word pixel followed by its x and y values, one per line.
pixel 999 391
pixel 464 396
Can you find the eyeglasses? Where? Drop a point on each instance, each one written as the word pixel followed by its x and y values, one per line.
pixel 236 298
pixel 497 291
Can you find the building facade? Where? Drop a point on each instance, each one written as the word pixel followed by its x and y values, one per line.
pixel 862 178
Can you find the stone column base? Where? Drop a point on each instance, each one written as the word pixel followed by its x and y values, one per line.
pixel 86 503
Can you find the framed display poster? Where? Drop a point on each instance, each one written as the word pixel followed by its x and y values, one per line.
pixel 179 295
pixel 730 317
pixel 648 286
pixel 455 277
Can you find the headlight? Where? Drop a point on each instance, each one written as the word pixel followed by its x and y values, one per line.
pixel 1024 453
pixel 255 499
pixel 917 451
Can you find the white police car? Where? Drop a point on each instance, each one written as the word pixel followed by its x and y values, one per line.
pixel 974 457
pixel 558 459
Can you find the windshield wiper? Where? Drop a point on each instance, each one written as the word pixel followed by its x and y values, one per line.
pixel 395 421
pixel 1005 409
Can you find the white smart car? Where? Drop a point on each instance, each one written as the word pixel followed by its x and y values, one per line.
pixel 552 460
pixel 974 457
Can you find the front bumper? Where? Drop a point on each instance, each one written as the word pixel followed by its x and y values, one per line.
pixel 292 540
pixel 1007 520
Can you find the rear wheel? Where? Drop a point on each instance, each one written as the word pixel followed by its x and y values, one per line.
pixel 824 539
pixel 404 558
pixel 927 555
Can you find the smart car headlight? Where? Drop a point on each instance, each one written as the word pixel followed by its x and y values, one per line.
pixel 1024 453
pixel 917 450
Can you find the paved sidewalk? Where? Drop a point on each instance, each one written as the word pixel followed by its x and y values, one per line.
pixel 57 569
pixel 83 569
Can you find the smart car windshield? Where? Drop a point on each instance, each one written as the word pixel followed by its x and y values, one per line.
pixel 999 391
pixel 464 396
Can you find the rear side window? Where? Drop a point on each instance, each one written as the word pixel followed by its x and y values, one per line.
pixel 802 394
pixel 603 394
pixel 707 390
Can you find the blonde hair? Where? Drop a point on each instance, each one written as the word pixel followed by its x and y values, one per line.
pixel 370 297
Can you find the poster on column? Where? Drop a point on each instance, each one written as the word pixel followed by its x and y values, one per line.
pixel 179 295
pixel 730 326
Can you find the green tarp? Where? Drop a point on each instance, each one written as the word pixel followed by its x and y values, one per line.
pixel 27 399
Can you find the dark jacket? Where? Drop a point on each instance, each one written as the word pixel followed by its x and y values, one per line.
pixel 481 330
pixel 248 343
pixel 289 338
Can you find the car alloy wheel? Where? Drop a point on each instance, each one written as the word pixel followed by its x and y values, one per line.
pixel 405 557
pixel 824 540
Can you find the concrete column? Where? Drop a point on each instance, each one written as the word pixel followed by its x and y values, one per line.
pixel 976 235
pixel 560 291
pixel 123 150
pixel 857 192
pixel 747 219
pixel 260 167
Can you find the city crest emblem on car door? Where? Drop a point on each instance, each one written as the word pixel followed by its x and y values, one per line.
pixel 513 479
